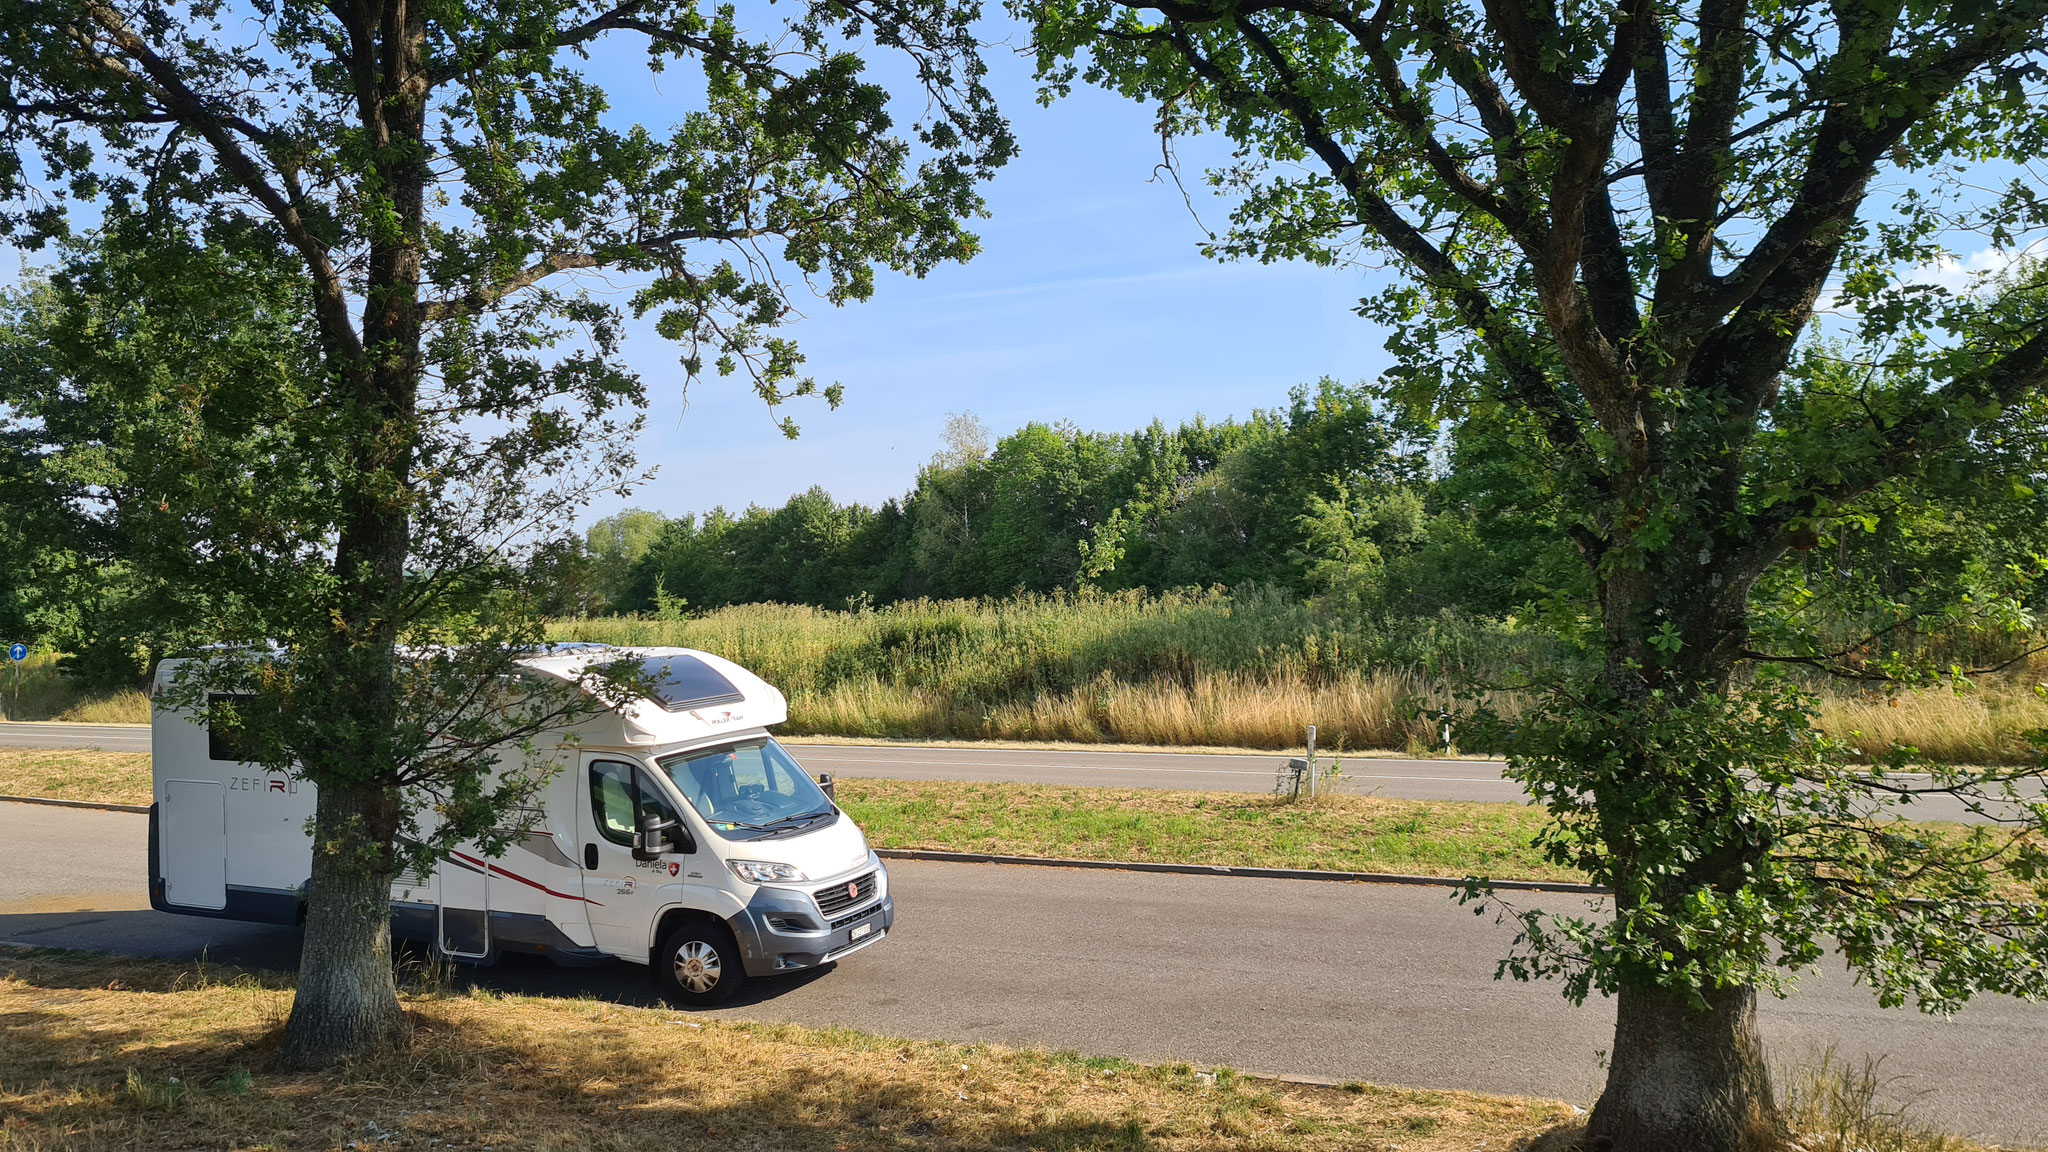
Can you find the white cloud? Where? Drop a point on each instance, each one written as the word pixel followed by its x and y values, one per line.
pixel 1965 274
pixel 1960 275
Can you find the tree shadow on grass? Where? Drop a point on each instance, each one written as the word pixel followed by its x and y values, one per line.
pixel 228 944
pixel 106 1075
pixel 520 974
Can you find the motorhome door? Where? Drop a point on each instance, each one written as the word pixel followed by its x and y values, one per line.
pixel 463 899
pixel 619 889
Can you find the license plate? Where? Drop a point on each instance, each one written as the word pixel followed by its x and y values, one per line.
pixel 860 931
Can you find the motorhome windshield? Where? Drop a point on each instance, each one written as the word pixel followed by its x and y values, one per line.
pixel 750 791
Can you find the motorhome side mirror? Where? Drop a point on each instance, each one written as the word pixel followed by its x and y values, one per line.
pixel 654 835
pixel 825 785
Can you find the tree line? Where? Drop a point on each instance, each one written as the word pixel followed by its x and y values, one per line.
pixel 1332 498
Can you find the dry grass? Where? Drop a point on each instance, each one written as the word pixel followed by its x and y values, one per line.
pixel 1246 670
pixel 1227 709
pixel 105 1053
pixel 1987 724
pixel 75 774
pixel 109 1054
pixel 1836 1106
pixel 128 706
pixel 1829 1105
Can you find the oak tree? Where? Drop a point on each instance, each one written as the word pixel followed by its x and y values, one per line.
pixel 1615 228
pixel 447 180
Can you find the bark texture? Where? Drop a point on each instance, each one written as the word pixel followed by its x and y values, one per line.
pixel 1686 1079
pixel 347 1002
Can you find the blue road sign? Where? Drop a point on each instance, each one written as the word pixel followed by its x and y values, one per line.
pixel 18 653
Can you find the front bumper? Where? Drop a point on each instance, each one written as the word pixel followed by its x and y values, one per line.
pixel 781 930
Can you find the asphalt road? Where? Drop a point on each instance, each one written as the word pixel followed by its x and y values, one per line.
pixel 1339 981
pixel 1204 772
pixel 1194 771
pixel 112 737
pixel 1445 779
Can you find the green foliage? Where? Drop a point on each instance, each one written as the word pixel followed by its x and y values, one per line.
pixel 613 545
pixel 1928 574
pixel 146 388
pixel 1058 509
pixel 1742 843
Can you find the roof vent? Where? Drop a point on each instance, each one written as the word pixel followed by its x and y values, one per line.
pixel 680 683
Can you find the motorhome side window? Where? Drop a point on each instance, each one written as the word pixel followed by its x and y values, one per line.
pixel 617 793
pixel 227 745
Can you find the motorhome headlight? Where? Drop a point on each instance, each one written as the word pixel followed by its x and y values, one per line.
pixel 764 872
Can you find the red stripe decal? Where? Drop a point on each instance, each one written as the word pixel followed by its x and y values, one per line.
pixel 497 871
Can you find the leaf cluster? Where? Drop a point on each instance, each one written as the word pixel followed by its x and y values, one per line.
pixel 1741 844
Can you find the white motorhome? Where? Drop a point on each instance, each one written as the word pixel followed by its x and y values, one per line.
pixel 677 833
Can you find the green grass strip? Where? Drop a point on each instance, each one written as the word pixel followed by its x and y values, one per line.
pixel 1339 833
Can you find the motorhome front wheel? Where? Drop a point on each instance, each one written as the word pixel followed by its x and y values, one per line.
pixel 699 964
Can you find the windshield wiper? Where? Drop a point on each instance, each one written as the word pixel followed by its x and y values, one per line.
pixel 793 819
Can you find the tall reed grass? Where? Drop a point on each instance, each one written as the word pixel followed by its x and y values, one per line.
pixel 1249 669
pixel 1987 723
pixel 1353 711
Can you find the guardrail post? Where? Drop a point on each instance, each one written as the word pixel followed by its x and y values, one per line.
pixel 1311 761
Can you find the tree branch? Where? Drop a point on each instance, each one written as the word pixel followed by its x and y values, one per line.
pixel 1512 208
pixel 1860 127
pixel 1934 426
pixel 177 97
pixel 1699 168
pixel 1528 381
pixel 481 298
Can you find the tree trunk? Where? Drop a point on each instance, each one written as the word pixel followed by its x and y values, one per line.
pixel 1683 1079
pixel 347 1002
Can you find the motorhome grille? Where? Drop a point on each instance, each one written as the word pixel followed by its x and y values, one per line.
pixel 835 899
pixel 856 918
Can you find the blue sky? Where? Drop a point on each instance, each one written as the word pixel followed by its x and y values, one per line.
pixel 1089 303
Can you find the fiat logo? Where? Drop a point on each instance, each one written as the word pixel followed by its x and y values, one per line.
pixel 853 890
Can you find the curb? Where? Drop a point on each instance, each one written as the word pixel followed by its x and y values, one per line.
pixel 1232 870
pixel 141 808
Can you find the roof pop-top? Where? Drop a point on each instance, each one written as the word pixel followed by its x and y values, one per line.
pixel 681 682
